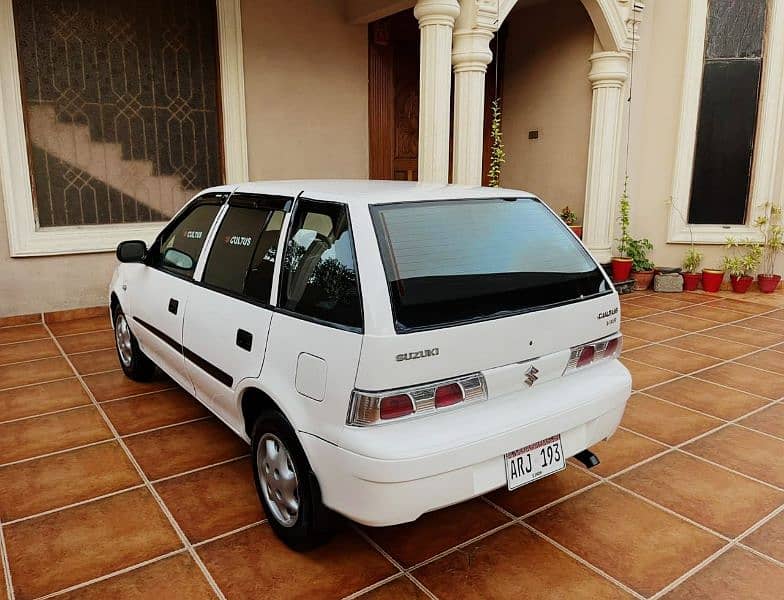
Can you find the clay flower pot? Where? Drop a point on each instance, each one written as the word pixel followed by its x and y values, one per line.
pixel 740 285
pixel 642 280
pixel 691 281
pixel 578 230
pixel 621 268
pixel 768 283
pixel 711 279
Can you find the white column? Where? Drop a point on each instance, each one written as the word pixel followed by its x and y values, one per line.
pixel 609 71
pixel 470 56
pixel 436 20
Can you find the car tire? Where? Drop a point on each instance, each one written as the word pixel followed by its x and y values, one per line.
pixel 287 487
pixel 133 361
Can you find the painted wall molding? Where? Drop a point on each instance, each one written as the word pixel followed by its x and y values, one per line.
pixel 24 237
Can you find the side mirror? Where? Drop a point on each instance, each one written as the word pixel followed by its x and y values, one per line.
pixel 178 259
pixel 131 251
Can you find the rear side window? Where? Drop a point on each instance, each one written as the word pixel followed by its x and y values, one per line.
pixel 464 260
pixel 319 273
pixel 242 259
pixel 188 236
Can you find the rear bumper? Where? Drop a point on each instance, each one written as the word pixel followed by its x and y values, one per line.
pixel 393 474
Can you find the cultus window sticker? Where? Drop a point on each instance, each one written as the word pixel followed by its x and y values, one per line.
pixel 194 235
pixel 237 240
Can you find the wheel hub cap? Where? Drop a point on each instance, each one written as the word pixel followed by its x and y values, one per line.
pixel 122 335
pixel 278 478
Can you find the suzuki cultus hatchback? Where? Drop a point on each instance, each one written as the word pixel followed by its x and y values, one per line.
pixel 387 348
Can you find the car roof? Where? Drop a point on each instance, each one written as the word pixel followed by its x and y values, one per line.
pixel 363 192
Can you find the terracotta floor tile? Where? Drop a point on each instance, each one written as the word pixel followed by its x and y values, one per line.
pixel 213 501
pixel 22 333
pixel 401 588
pixel 720 500
pixel 39 485
pixel 85 542
pixel 539 493
pixel 41 435
pixel 96 361
pixel 514 563
pixel 115 384
pixel 173 578
pixel 41 398
pixel 753 337
pixel 3 586
pixel 733 575
pixel 671 358
pixel 751 308
pixel 645 331
pixel 679 321
pixel 148 411
pixel 697 297
pixel 70 314
pixel 73 326
pixel 660 302
pixel 630 343
pixel 36 371
pixel 85 342
pixel 769 539
pixel 747 379
pixel 665 422
pixel 777 314
pixel 437 531
pixel 630 310
pixel 763 324
pixel 713 313
pixel 255 564
pixel 644 376
pixel 707 397
pixel 185 447
pixel 638 544
pixel 21 351
pixel 623 450
pixel 745 451
pixel 769 420
pixel 20 320
pixel 768 360
pixel 710 346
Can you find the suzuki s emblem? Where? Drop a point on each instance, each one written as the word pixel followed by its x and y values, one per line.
pixel 531 375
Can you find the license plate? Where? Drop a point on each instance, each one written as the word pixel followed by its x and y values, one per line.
pixel 534 462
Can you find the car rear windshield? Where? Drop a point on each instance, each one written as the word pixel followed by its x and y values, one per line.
pixel 458 261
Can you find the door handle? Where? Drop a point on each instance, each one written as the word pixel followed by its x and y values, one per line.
pixel 173 305
pixel 244 339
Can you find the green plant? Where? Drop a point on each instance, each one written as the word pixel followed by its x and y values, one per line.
pixel 624 216
pixel 744 258
pixel 568 216
pixel 638 250
pixel 692 260
pixel 772 231
pixel 497 152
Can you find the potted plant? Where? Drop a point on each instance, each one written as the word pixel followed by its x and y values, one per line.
pixel 742 262
pixel 711 279
pixel 772 231
pixel 622 263
pixel 642 267
pixel 570 218
pixel 691 262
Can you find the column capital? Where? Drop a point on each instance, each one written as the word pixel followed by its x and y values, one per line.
pixel 436 12
pixel 609 69
pixel 471 50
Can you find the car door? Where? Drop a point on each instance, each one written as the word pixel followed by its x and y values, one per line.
pixel 229 311
pixel 160 288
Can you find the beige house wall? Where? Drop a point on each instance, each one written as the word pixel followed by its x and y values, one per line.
pixel 546 88
pixel 306 103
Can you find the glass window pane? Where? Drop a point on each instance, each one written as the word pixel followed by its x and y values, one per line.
pixel 188 236
pixel 319 274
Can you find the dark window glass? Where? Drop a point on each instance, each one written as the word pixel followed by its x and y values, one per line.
pixel 728 111
pixel 242 258
pixel 465 260
pixel 319 274
pixel 186 235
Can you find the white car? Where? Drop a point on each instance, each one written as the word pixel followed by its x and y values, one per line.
pixel 387 348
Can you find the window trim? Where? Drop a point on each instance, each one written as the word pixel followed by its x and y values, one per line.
pixel 766 161
pixel 24 237
pixel 279 269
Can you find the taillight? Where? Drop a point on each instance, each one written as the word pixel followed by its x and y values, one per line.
pixel 588 354
pixel 371 408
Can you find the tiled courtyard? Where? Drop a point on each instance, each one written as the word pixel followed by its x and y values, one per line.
pixel 114 489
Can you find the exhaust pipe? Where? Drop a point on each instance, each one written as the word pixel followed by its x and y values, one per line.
pixel 588 458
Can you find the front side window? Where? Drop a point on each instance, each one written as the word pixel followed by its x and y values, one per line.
pixel 319 273
pixel 458 261
pixel 186 236
pixel 242 258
